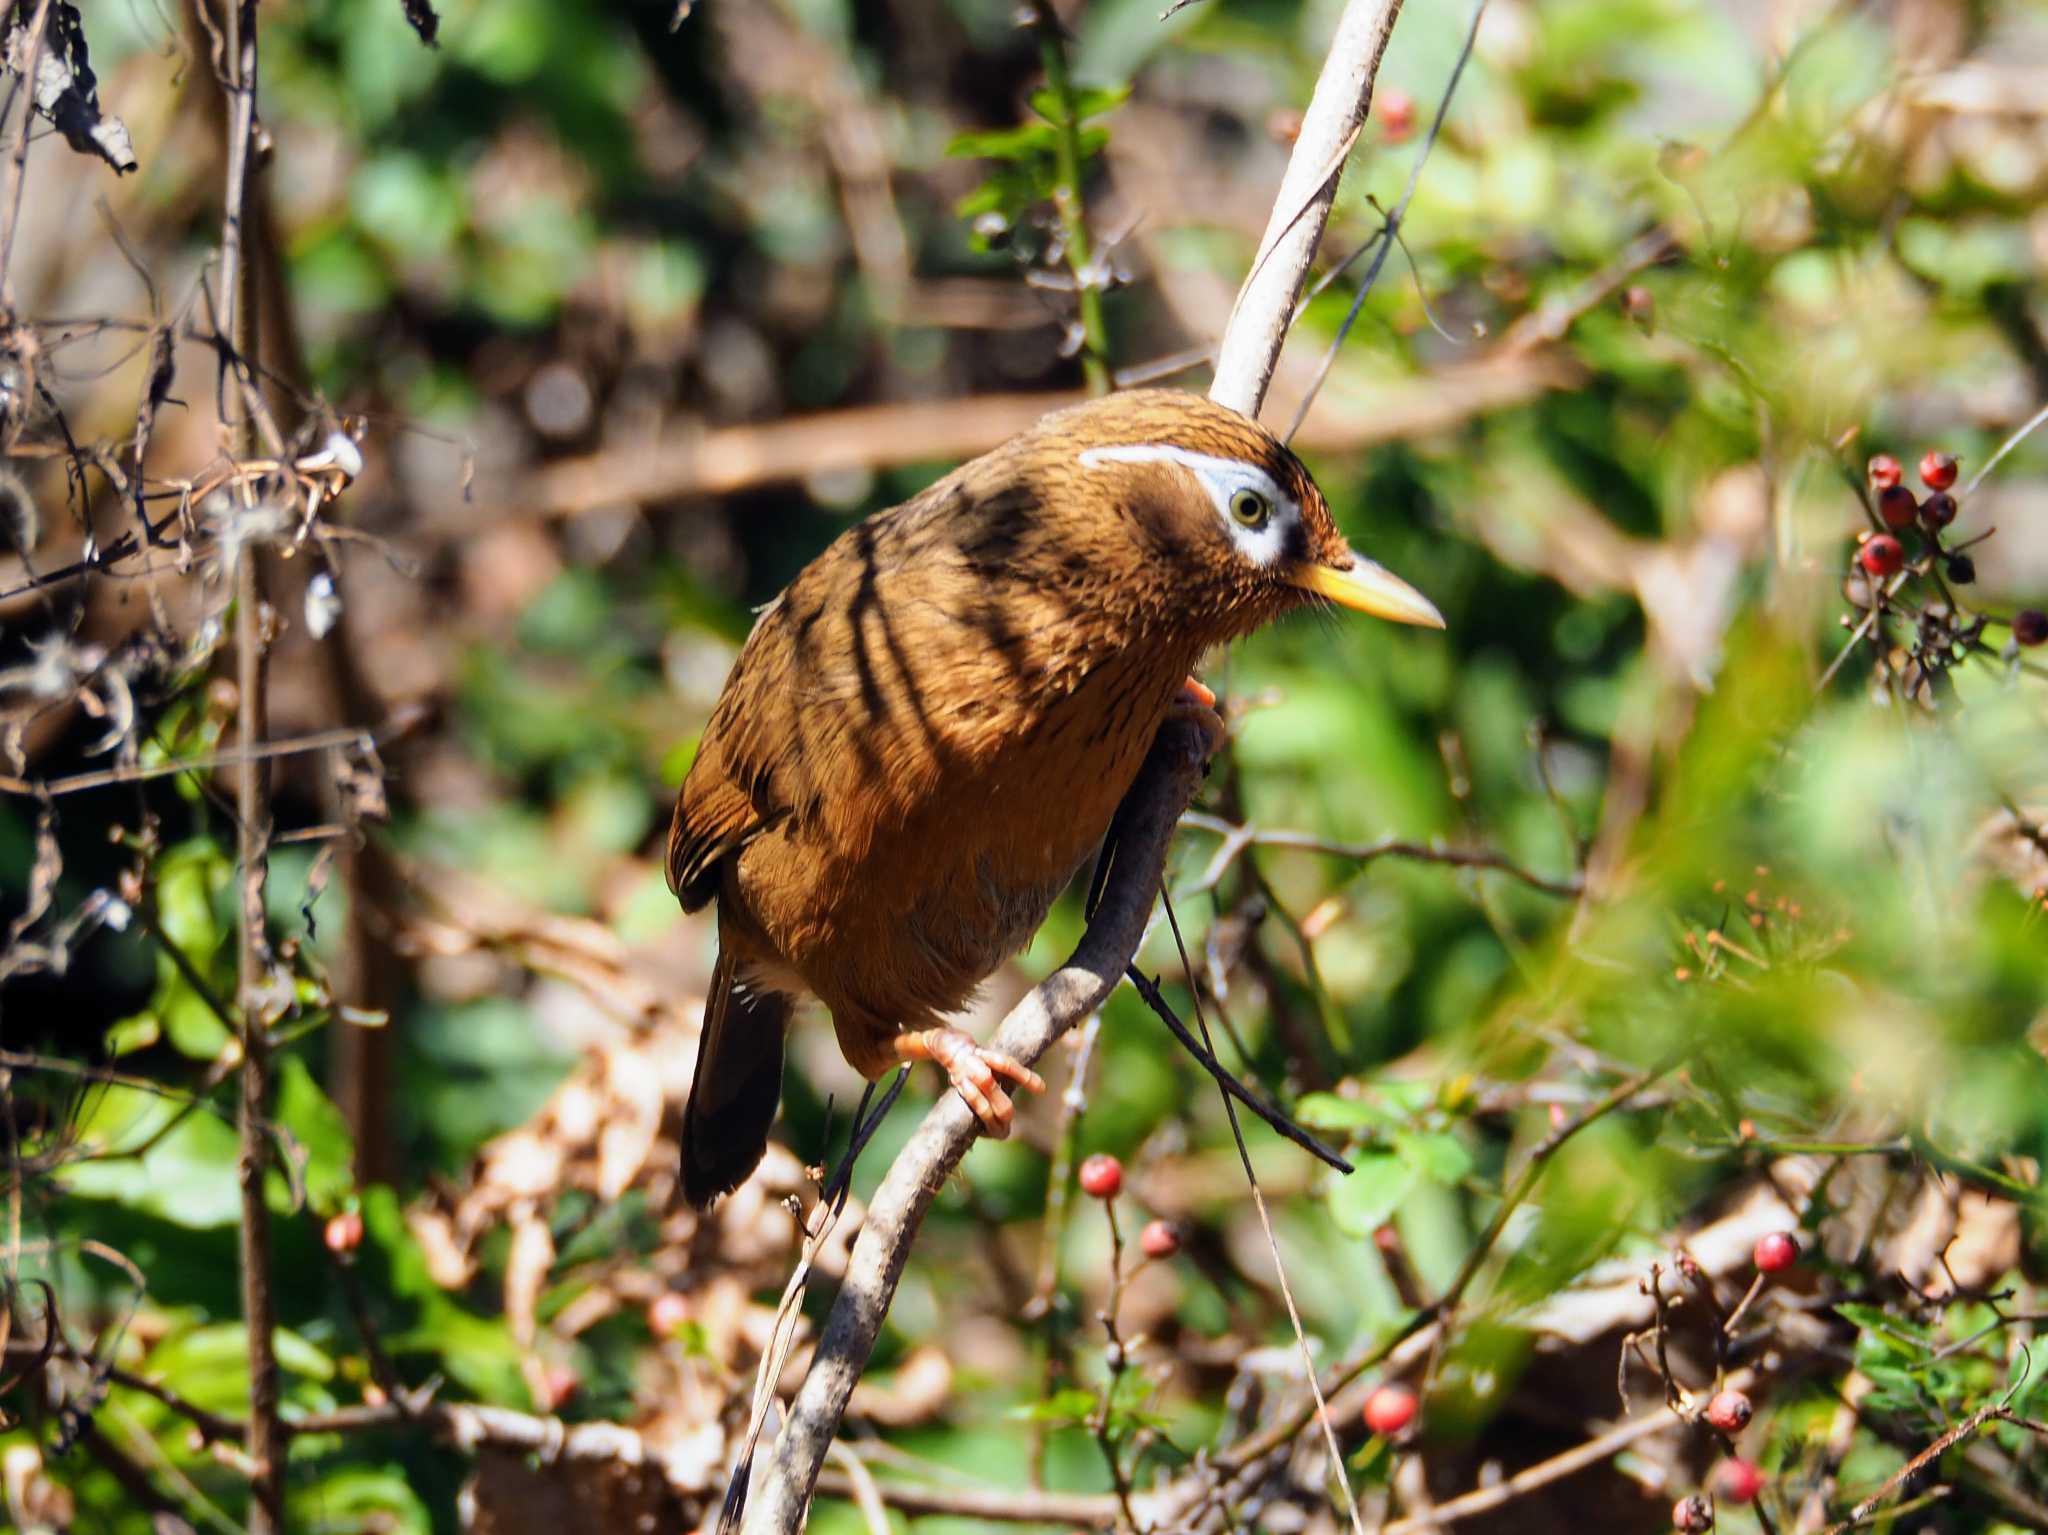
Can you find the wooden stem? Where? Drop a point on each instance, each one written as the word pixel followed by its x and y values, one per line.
pixel 1259 321
pixel 234 320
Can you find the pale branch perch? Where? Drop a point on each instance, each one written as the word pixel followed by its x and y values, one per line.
pixel 1249 351
pixel 1264 310
pixel 1163 788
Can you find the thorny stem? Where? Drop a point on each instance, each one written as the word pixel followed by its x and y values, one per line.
pixel 1117 1359
pixel 1067 200
pixel 17 167
pixel 236 315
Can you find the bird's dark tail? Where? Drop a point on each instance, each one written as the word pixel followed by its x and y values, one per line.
pixel 737 1085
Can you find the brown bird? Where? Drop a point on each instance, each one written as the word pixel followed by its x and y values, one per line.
pixel 927 733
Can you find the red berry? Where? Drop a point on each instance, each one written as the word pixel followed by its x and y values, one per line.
pixel 1882 555
pixel 1739 1481
pixel 1692 1514
pixel 1283 124
pixel 558 1387
pixel 1885 472
pixel 344 1233
pixel 1396 114
pixel 1895 504
pixel 1102 1175
pixel 667 1314
pixel 1159 1239
pixel 1938 510
pixel 1729 1411
pixel 1937 470
pixel 1775 1251
pixel 1390 1409
pixel 2030 626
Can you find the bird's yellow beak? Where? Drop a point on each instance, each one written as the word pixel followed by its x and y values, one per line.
pixel 1369 588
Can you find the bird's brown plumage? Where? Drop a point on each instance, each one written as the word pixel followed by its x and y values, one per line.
pixel 928 732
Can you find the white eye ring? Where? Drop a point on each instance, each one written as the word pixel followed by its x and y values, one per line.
pixel 1251 509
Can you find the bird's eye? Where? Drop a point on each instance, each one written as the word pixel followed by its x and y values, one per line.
pixel 1250 508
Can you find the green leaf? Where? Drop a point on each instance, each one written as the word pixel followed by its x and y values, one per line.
pixel 136 1032
pixel 1441 1158
pixel 361 1498
pixel 1089 101
pixel 1874 1320
pixel 1022 142
pixel 319 1134
pixel 1071 1405
pixel 1363 1201
pixel 1327 1111
pixel 187 1177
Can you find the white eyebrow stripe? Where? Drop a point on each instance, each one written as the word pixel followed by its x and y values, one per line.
pixel 1220 479
pixel 1203 464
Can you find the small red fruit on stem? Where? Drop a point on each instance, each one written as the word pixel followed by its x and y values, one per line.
pixel 667 1314
pixel 1396 110
pixel 1938 510
pixel 1390 1409
pixel 1882 555
pixel 1895 504
pixel 1729 1411
pixel 344 1232
pixel 1937 470
pixel 1885 472
pixel 558 1386
pixel 1159 1239
pixel 1776 1251
pixel 1102 1176
pixel 1739 1481
pixel 2030 626
pixel 1692 1514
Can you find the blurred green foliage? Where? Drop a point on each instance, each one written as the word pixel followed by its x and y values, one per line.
pixel 1814 906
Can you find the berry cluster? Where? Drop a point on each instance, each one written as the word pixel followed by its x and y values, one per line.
pixel 1728 1412
pixel 1944 631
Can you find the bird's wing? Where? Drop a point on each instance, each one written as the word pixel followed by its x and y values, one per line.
pixel 710 826
pixel 731 795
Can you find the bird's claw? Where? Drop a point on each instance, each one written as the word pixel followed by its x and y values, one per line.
pixel 973 1069
pixel 1196 705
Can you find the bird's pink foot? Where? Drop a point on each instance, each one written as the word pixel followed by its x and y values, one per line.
pixel 973 1068
pixel 1197 706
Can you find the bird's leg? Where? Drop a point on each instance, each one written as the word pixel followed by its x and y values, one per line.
pixel 1197 705
pixel 973 1068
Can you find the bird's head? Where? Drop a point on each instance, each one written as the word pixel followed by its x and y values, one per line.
pixel 1213 508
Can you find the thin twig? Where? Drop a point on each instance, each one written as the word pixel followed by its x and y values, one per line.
pixel 319 740
pixel 1237 838
pixel 234 321
pixel 1265 1441
pixel 1993 1412
pixel 2018 437
pixel 17 165
pixel 1544 1472
pixel 1265 307
pixel 1067 198
pixel 1232 1088
pixel 1392 223
pixel 1244 1156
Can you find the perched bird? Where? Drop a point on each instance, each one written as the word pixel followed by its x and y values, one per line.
pixel 927 733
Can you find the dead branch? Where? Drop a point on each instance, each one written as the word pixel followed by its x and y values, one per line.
pixel 233 320
pixel 725 461
pixel 1264 311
